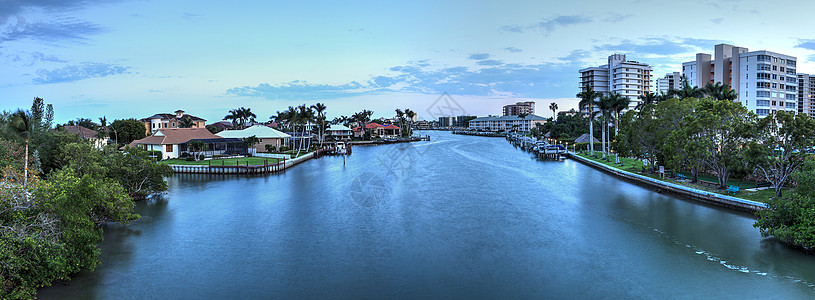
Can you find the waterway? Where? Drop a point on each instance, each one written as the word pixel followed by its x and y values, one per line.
pixel 456 217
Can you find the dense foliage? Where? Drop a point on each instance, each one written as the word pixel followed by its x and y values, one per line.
pixel 791 219
pixel 50 211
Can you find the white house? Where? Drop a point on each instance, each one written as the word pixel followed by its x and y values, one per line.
pixel 169 140
pixel 266 135
pixel 339 132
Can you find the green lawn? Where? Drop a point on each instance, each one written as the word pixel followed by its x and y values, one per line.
pixel 230 161
pixel 635 166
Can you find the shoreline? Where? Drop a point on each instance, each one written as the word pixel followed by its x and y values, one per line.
pixel 716 199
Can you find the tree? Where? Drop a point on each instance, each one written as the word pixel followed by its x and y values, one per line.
pixel 21 123
pixel 588 101
pixel 606 106
pixel 410 115
pixel 687 91
pixel 553 108
pixel 251 141
pixel 134 169
pixel 779 150
pixel 85 122
pixel 186 122
pixel 48 120
pixel 618 104
pixel 648 98
pixel 791 219
pixel 319 108
pixel 728 127
pixel 127 131
pixel 37 113
pixel 196 146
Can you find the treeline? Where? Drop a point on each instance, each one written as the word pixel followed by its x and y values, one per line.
pixel 56 190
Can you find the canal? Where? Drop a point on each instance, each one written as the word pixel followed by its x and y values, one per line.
pixel 456 217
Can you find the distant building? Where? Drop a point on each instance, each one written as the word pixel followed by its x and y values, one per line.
pixel 570 112
pixel 447 121
pixel 339 132
pixel 461 121
pixel 506 123
pixel 764 81
pixel 161 121
pixel 671 81
pixel 87 134
pixel 518 108
pixel 221 125
pixel 806 94
pixel 626 77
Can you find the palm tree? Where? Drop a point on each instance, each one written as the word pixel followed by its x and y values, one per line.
pixel 523 117
pixel 647 99
pixel 719 91
pixel 21 123
pixel 251 141
pixel 410 115
pixel 235 116
pixel 553 108
pixel 400 117
pixel 247 116
pixel 620 103
pixel 606 106
pixel 319 108
pixel 588 101
pixel 687 91
pixel 304 116
pixel 186 122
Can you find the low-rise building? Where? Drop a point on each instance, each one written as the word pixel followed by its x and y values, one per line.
pixel 506 123
pixel 166 120
pixel 518 108
pixel 265 135
pixel 87 134
pixel 172 142
pixel 671 81
pixel 339 133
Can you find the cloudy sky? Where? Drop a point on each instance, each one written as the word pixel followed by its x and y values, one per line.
pixel 133 58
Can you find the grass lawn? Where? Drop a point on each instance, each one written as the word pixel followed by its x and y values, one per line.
pixel 635 166
pixel 230 161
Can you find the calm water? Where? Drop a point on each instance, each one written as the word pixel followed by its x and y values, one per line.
pixel 457 217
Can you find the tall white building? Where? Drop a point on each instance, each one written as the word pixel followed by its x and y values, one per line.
pixel 671 81
pixel 628 78
pixel 764 81
pixel 806 94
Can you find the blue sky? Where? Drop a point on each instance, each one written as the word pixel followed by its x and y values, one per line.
pixel 133 58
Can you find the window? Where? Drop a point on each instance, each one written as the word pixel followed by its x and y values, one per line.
pixel 764 103
pixel 774 103
pixel 168 148
pixel 763 67
pixel 765 94
pixel 775 76
pixel 762 76
pixel 791 97
pixel 775 68
pixel 790 63
pixel 762 85
pixel 791 105
pixel 781 69
pixel 762 112
pixel 775 85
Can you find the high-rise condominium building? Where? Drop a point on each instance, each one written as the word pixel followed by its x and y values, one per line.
pixel 671 81
pixel 764 81
pixel 527 107
pixel 628 78
pixel 806 94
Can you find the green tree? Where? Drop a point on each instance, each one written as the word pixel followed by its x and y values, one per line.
pixel 127 131
pixel 320 108
pixel 21 123
pixel 553 108
pixel 251 141
pixel 196 146
pixel 186 122
pixel 779 149
pixel 791 219
pixel 728 127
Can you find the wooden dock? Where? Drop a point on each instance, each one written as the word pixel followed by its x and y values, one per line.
pixel 246 168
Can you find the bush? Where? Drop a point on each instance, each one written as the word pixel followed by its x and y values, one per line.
pixel 284 149
pixel 190 158
pixel 154 153
pixel 270 148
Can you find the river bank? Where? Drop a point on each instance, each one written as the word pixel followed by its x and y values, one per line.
pixel 696 194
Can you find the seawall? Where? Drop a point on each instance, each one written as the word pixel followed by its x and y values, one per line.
pixel 696 194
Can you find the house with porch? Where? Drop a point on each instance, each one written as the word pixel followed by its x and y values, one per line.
pixel 266 135
pixel 339 133
pixel 173 142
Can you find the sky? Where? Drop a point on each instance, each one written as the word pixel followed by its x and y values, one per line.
pixel 134 58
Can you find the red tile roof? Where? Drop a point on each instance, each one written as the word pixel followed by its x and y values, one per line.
pixel 373 125
pixel 171 136
pixel 82 132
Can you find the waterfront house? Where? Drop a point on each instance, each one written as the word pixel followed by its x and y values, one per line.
pixel 374 129
pixel 161 121
pixel 222 125
pixel 391 130
pixel 266 135
pixel 169 140
pixel 88 135
pixel 339 132
pixel 506 123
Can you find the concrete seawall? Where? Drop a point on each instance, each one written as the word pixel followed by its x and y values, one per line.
pixel 278 167
pixel 696 194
